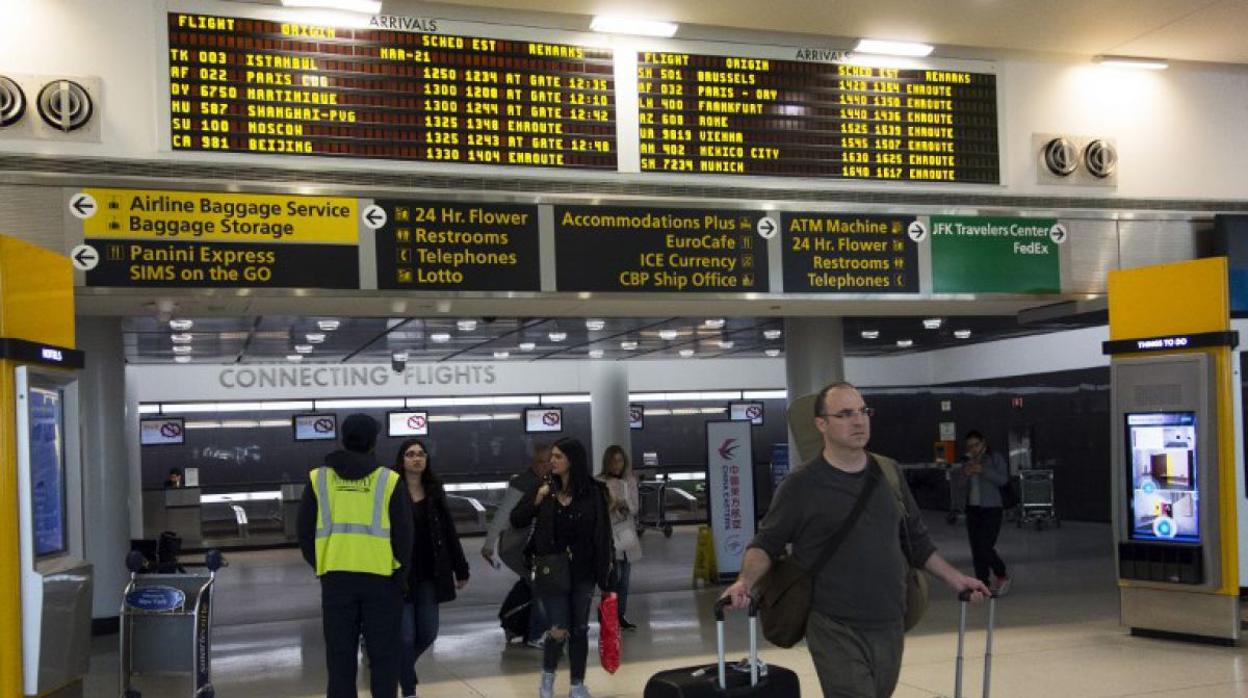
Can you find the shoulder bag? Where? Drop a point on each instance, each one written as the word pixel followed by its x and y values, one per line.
pixel 916 579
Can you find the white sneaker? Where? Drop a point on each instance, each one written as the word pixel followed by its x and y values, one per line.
pixel 1001 585
pixel 546 689
pixel 579 691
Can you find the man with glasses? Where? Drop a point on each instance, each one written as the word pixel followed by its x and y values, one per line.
pixel 855 630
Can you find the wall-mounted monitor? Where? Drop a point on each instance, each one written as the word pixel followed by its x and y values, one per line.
pixel 543 419
pixel 636 416
pixel 1164 495
pixel 315 427
pixel 46 451
pixel 162 431
pixel 751 412
pixel 407 424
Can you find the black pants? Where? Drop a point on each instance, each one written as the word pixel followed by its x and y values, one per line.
pixel 983 525
pixel 353 603
pixel 569 611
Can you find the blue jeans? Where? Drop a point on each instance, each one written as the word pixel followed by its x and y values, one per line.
pixel 418 631
pixel 537 616
pixel 571 612
pixel 620 576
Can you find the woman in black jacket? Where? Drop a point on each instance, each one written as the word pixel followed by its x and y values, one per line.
pixel 438 564
pixel 572 552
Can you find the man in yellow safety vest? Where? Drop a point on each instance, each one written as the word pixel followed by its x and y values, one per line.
pixel 355 529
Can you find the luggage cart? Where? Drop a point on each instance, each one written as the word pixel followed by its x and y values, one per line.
pixel 1036 499
pixel 653 507
pixel 166 624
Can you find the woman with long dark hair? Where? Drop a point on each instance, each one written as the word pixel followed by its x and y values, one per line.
pixel 623 501
pixel 571 552
pixel 438 564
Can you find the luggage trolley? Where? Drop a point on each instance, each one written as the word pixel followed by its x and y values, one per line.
pixel 1036 499
pixel 166 624
pixel 653 505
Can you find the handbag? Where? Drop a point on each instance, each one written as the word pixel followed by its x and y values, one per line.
pixel 552 574
pixel 625 535
pixel 916 579
pixel 785 591
pixel 609 632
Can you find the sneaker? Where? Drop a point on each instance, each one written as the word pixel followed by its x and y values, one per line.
pixel 626 625
pixel 1001 585
pixel 579 691
pixel 546 689
pixel 537 643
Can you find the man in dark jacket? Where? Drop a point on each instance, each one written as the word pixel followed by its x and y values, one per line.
pixel 355 529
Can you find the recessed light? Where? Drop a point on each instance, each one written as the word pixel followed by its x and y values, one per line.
pixel 686 353
pixel 502 354
pixel 557 336
pixel 905 343
pixel 629 25
pixel 466 325
pixel 773 353
pixel 909 49
pixel 870 334
pixel 399 356
pixel 527 346
pixel 182 349
pixel 669 335
pixel 303 348
pixel 594 325
pixel 714 323
pixel 182 359
pixel 772 334
pixel 440 337
pixel 628 345
pixel 726 344
pixel 294 357
pixel 328 325
pixel 316 337
pixel 181 325
pixel 932 323
pixel 962 334
pixel 595 353
pixel 1132 62
pixel 181 338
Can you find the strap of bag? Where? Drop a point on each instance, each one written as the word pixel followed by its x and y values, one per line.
pixel 889 467
pixel 873 477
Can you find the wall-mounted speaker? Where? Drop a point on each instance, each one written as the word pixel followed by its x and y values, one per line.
pixel 54 108
pixel 1075 160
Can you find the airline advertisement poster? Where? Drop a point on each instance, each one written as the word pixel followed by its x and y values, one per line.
pixel 730 492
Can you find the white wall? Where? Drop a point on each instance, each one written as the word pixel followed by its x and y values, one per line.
pixel 1179 132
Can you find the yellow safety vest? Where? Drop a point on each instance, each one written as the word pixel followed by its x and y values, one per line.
pixel 353 522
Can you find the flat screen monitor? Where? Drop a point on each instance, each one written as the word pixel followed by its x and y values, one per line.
pixel 636 417
pixel 315 427
pixel 46 432
pixel 162 431
pixel 407 424
pixel 751 412
pixel 1164 495
pixel 543 419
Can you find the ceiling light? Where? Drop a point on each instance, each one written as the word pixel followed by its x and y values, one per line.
pixel 1131 62
pixel 399 356
pixel 773 353
pixel 294 357
pixel 595 353
pixel 368 7
pixel 502 354
pixel 628 345
pixel 594 325
pixel 905 343
pixel 182 349
pixel 316 337
pixel 181 338
pixel 557 336
pixel 870 334
pixel 303 348
pixel 182 359
pixel 527 346
pixel 669 335
pixel 726 343
pixel 962 334
pixel 772 334
pixel 714 323
pixel 466 325
pixel 327 325
pixel 629 25
pixel 686 353
pixel 909 49
pixel 181 325
pixel 932 323
pixel 440 337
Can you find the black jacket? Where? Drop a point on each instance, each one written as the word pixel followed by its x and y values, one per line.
pixel 448 554
pixel 353 466
pixel 592 551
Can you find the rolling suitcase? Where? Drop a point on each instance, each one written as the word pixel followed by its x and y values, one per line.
pixel 718 681
pixel 514 615
pixel 965 598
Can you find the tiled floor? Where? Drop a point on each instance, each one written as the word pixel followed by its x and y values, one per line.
pixel 1057 632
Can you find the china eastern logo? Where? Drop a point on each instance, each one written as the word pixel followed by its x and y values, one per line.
pixel 727 448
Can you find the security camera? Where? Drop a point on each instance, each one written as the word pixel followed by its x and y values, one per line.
pixel 398 361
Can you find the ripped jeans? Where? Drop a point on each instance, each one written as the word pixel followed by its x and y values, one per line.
pixel 571 612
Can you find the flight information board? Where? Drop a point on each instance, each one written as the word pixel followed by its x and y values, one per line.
pixel 704 114
pixel 258 86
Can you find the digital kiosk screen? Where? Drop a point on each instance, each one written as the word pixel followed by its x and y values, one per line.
pixel 315 427
pixel 47 470
pixel 751 412
pixel 407 424
pixel 1164 492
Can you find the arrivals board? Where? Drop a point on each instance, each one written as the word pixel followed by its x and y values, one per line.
pixel 258 86
pixel 849 253
pixel 704 114
pixel 430 245
pixel 616 248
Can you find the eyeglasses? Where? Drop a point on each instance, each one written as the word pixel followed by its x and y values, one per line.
pixel 850 414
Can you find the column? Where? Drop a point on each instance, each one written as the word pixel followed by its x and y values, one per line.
pixel 608 391
pixel 813 357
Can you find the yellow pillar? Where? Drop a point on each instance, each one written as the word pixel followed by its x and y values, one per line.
pixel 37 305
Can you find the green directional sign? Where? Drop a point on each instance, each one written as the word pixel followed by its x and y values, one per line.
pixel 996 255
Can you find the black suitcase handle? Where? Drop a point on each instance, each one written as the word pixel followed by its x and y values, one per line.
pixel 720 604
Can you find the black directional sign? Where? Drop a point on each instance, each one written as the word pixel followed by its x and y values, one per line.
pixel 849 253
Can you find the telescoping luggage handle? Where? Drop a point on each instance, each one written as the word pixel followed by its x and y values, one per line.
pixel 720 605
pixel 965 598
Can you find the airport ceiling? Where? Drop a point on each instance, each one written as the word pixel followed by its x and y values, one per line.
pixel 1187 30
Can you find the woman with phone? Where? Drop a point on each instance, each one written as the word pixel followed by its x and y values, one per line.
pixel 622 503
pixel 571 550
pixel 438 567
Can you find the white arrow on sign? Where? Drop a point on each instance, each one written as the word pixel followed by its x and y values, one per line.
pixel 84 257
pixel 1058 233
pixel 767 227
pixel 374 216
pixel 82 205
pixel 917 231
